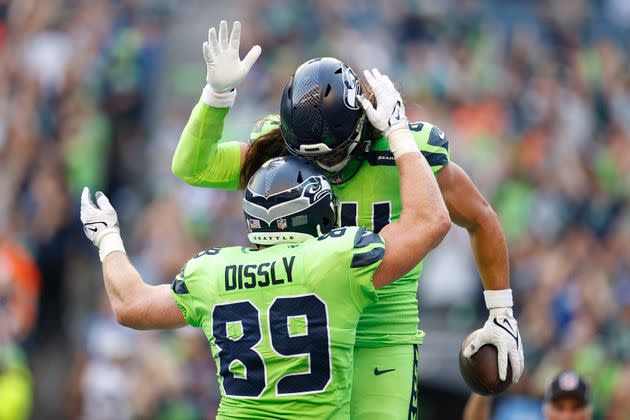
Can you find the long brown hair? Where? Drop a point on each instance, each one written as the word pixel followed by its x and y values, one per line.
pixel 271 145
pixel 268 146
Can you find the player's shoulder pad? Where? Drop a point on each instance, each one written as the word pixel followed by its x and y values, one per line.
pixel 208 252
pixel 188 270
pixel 427 134
pixel 336 233
pixel 264 125
pixel 433 144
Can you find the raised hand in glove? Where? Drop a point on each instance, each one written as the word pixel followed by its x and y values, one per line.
pixel 501 330
pixel 225 70
pixel 389 114
pixel 100 223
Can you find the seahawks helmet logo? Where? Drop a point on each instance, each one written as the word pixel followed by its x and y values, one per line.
pixel 288 202
pixel 351 88
pixel 316 189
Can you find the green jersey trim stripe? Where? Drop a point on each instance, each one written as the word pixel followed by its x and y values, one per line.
pixel 435 159
pixel 428 148
pixel 179 287
pixel 364 238
pixel 365 259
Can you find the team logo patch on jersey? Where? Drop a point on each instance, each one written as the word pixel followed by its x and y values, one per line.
pixel 282 223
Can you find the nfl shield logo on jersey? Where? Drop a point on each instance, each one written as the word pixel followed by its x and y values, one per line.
pixel 282 223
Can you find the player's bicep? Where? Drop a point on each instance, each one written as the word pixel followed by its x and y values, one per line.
pixel 400 255
pixel 161 311
pixel 465 204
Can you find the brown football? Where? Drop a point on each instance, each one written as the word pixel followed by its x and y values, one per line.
pixel 481 371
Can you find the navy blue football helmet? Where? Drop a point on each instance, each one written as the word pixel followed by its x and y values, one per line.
pixel 288 200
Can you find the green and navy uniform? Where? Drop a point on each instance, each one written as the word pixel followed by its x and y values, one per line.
pixel 369 198
pixel 281 321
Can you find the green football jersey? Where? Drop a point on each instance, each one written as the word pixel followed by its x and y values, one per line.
pixel 369 198
pixel 281 321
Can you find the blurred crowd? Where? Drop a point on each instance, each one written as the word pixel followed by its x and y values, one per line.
pixel 533 96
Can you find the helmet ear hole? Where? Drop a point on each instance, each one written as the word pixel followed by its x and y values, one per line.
pixel 326 224
pixel 300 179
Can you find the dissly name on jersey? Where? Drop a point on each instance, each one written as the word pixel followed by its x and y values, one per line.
pixel 249 276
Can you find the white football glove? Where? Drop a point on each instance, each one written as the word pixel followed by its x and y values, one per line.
pixel 225 70
pixel 389 115
pixel 100 223
pixel 501 330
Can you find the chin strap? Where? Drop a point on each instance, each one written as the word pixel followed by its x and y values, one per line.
pixel 339 166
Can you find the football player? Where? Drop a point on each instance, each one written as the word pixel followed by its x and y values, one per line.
pixel 327 115
pixel 281 319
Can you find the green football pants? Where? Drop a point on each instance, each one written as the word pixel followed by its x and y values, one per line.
pixel 385 383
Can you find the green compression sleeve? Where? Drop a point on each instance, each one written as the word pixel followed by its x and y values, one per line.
pixel 200 160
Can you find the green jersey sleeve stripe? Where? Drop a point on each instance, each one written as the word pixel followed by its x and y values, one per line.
pixel 364 238
pixel 179 287
pixel 365 259
pixel 437 138
pixel 435 159
pixel 432 149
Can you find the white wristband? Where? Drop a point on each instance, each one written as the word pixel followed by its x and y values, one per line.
pixel 498 298
pixel 218 99
pixel 110 243
pixel 401 141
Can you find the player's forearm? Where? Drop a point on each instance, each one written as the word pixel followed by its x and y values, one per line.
pixel 199 159
pixel 470 210
pixel 124 286
pixel 490 251
pixel 477 408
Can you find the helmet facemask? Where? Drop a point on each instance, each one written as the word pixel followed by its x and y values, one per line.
pixel 335 160
pixel 321 118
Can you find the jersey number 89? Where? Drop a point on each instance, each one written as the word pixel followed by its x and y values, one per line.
pixel 314 343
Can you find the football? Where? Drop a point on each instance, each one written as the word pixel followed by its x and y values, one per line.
pixel 481 371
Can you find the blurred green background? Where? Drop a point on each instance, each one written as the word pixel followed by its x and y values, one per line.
pixel 534 97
